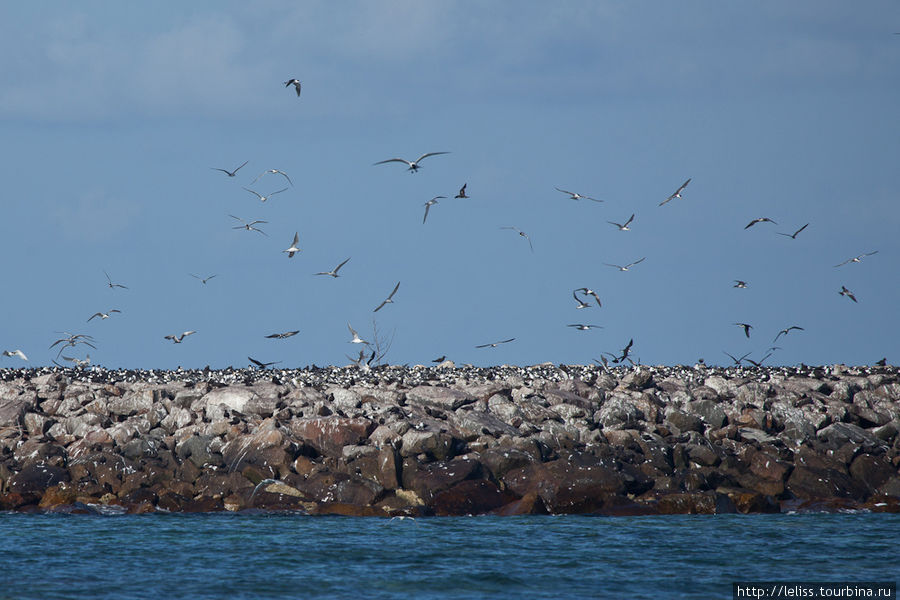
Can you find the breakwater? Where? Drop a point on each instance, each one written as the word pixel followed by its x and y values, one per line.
pixel 447 440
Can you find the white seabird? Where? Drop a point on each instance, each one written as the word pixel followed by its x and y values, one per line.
pixel 412 164
pixel 334 271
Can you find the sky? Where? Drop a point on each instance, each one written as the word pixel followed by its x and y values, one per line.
pixel 114 117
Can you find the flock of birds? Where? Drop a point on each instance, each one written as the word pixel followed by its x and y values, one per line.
pixel 584 297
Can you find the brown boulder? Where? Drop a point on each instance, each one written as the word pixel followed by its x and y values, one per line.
pixel 578 483
pixel 529 504
pixel 329 435
pixel 36 477
pixel 332 486
pixel 812 483
pixel 426 480
pixel 872 471
pixel 470 497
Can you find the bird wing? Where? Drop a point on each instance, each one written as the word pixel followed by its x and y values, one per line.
pixel 337 268
pixel 256 362
pixel 239 168
pixel 381 162
pixel 257 194
pixel 427 154
pixel 296 238
pixel 630 219
pixel 563 191
pixel 278 192
pixel 380 306
pixel 427 207
pixel 394 291
pixel 94 315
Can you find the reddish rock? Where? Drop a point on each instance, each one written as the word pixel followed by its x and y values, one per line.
pixel 750 501
pixel 35 477
pixel 347 510
pixel 501 460
pixel 872 471
pixel 329 435
pixel 381 467
pixel 881 503
pixel 58 495
pixel 692 503
pixel 622 506
pixel 470 497
pixel 529 504
pixel 578 483
pixel 769 467
pixel 426 480
pixel 341 488
pixel 809 483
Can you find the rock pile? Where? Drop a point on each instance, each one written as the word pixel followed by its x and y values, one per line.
pixel 451 441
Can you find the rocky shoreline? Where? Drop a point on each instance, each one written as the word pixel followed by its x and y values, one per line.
pixel 446 440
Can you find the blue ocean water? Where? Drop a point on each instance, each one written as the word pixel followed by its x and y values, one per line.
pixel 290 556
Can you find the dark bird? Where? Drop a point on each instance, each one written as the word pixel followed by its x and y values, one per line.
pixel 495 344
pixel 230 173
pixel 283 335
pixel 178 338
pixel 260 364
pixel 625 352
pixel 462 192
pixel 334 271
pixel 739 284
pixel 111 284
pixel 856 259
pixel 623 226
pixel 785 332
pixel 439 359
pixel 428 205
pixel 523 234
pixel 577 196
pixel 737 361
pixel 412 164
pixel 389 299
pixel 295 83
pixel 581 303
pixel 590 292
pixel 845 292
pixel 203 280
pixel 793 235
pixel 883 361
pixel 746 327
pixel 760 361
pixel 759 220
pixel 677 193
pixel 249 226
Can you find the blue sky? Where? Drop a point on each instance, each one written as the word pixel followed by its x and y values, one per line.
pixel 115 114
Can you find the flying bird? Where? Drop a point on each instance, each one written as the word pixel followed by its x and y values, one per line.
pixel 623 226
pixel 79 362
pixel 295 83
pixel 203 280
pixel 15 352
pixel 626 267
pixel 856 259
pixel 178 338
pixel 523 234
pixel 739 284
pixel 589 292
pixel 462 192
pixel 293 249
pixel 759 220
pixel 334 271
pixel 283 335
pixel 583 327
pixel 785 332
pixel 746 327
pixel 845 292
pixel 71 340
pixel 264 198
pixel 428 205
pixel 249 226
pixel 272 171
pixel 677 193
pixel 111 284
pixel 625 351
pixel 581 303
pixel 737 361
pixel 495 344
pixel 103 315
pixel 356 339
pixel 793 235
pixel 412 164
pixel 389 299
pixel 260 364
pixel 441 359
pixel 576 195
pixel 230 173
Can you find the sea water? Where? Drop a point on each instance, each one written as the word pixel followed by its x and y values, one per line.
pixel 162 556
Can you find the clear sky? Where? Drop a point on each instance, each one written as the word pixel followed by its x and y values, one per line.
pixel 114 116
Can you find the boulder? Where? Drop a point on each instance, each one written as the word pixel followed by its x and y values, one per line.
pixel 470 497
pixel 329 435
